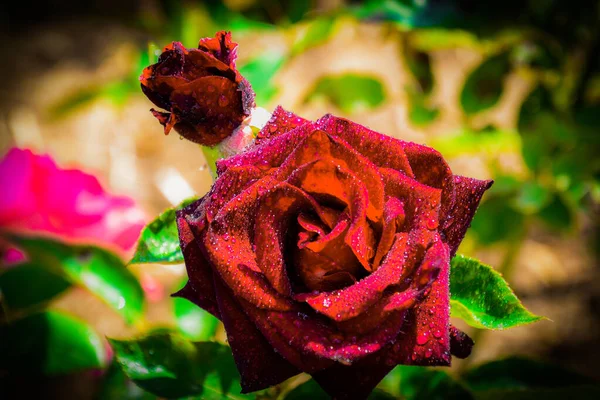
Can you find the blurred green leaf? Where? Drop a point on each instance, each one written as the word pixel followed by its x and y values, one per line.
pixel 483 87
pixel 170 366
pixel 496 220
pixel 27 286
pixel 307 390
pixel 74 101
pixel 407 13
pixel 311 390
pixel 490 142
pixel 159 241
pixel 531 197
pixel 312 34
pixel 98 270
pixel 579 392
pixel 482 298
pixel 260 72
pixel 50 343
pixel 419 64
pixel 116 386
pixel 521 373
pixel 350 92
pixel 557 213
pixel 418 383
pixel 420 113
pixel 193 322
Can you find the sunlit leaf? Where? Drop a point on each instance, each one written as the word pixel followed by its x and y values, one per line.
pixel 50 343
pixel 491 142
pixel 192 321
pixel 483 87
pixel 418 383
pixel 260 72
pixel 350 92
pixel 312 33
pixel 159 240
pixel 168 365
pixel 482 298
pixel 27 286
pixel 98 270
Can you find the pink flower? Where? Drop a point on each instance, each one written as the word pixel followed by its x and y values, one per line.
pixel 39 196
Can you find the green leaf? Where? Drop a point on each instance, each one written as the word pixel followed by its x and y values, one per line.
pixel 307 390
pixel 482 298
pixel 116 386
pixel 521 373
pixel 557 213
pixel 159 241
pixel 260 72
pixel 521 378
pixel 418 383
pixel 50 343
pixel 27 286
pixel 73 102
pixel 496 220
pixel 483 87
pixel 490 142
pixel 351 93
pixel 420 113
pixel 312 34
pixel 193 322
pixel 168 365
pixel 532 197
pixel 579 392
pixel 98 270
pixel 419 63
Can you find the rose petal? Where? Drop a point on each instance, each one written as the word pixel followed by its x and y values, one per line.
pixel 199 289
pixel 328 180
pixel 259 366
pixel 426 340
pixel 272 220
pixel 382 150
pixel 313 338
pixel 281 121
pixel 468 193
pixel 393 219
pixel 341 305
pixel 230 251
pixel 460 343
pixel 215 101
pixel 354 381
pixel 421 202
pixel 221 47
pixel 268 154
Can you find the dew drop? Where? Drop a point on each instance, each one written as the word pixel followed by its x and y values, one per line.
pixel 422 338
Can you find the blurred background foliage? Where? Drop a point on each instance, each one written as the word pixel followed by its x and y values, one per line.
pixel 504 90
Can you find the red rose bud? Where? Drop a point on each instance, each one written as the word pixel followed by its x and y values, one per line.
pixel 325 248
pixel 206 97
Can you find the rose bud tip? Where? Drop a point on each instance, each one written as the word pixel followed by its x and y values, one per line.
pixel 204 97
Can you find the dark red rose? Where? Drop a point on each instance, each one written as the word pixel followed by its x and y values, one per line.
pixel 325 248
pixel 205 95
